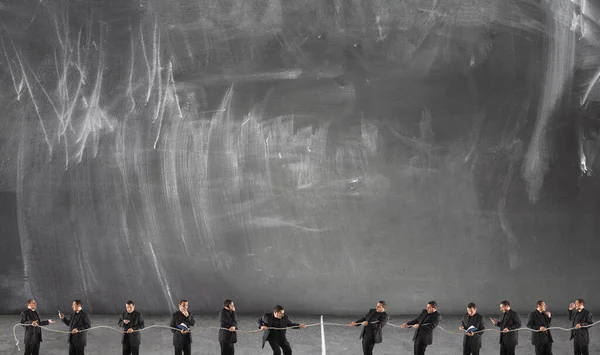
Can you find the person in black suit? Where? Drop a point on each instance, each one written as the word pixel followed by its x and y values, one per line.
pixel 424 325
pixel 373 323
pixel 509 338
pixel 131 321
pixel 540 320
pixel 276 337
pixel 228 320
pixel 582 319
pixel 33 332
pixel 472 339
pixel 78 323
pixel 182 338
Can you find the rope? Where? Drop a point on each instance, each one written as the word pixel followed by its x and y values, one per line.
pixel 46 328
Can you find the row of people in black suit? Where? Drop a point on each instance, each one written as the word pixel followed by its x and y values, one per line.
pixel 373 322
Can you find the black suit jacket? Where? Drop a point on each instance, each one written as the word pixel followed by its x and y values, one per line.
pixel 136 322
pixel 179 339
pixel 535 321
pixel 227 319
pixel 427 322
pixel 33 335
pixel 511 321
pixel 474 342
pixel 268 319
pixel 79 320
pixel 373 331
pixel 582 336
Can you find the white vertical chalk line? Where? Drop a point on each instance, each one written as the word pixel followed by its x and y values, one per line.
pixel 323 350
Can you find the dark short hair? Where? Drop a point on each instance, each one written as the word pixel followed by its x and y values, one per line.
pixel 580 300
pixel 505 303
pixel 472 305
pixel 227 303
pixel 539 303
pixel 130 302
pixel 182 301
pixel 383 303
pixel 30 301
pixel 433 304
pixel 278 308
pixel 78 302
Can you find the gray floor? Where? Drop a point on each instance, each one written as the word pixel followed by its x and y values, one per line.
pixel 339 340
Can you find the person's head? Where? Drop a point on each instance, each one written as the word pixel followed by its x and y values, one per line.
pixel 228 304
pixel 471 309
pixel 278 311
pixel 431 306
pixel 31 304
pixel 381 306
pixel 183 306
pixel 76 306
pixel 504 306
pixel 579 304
pixel 540 306
pixel 130 306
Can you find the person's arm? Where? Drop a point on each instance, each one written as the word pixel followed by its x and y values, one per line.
pixel 225 319
pixel 463 324
pixel 140 322
pixel 121 323
pixel 416 320
pixel 66 320
pixel 234 321
pixel 87 322
pixel 531 323
pixel 435 320
pixel 44 322
pixel 292 325
pixel 382 322
pixel 25 318
pixel 190 320
pixel 516 321
pixel 261 321
pixel 571 314
pixel 481 324
pixel 360 320
pixel 587 320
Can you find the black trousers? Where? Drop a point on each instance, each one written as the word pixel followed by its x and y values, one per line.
pixel 76 350
pixel 467 350
pixel 227 348
pixel 420 348
pixel 185 349
pixel 580 349
pixel 543 349
pixel 129 349
pixel 507 349
pixel 279 344
pixel 368 345
pixel 32 349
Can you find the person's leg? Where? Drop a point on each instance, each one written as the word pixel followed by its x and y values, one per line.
pixel 584 349
pixel 503 350
pixel 135 349
pixel 510 350
pixel 367 346
pixel 275 346
pixel 178 351
pixel 80 350
pixel 287 349
pixel 29 349
pixel 126 348
pixel 539 349
pixel 187 349
pixel 420 348
pixel 72 350
pixel 475 351
pixel 576 348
